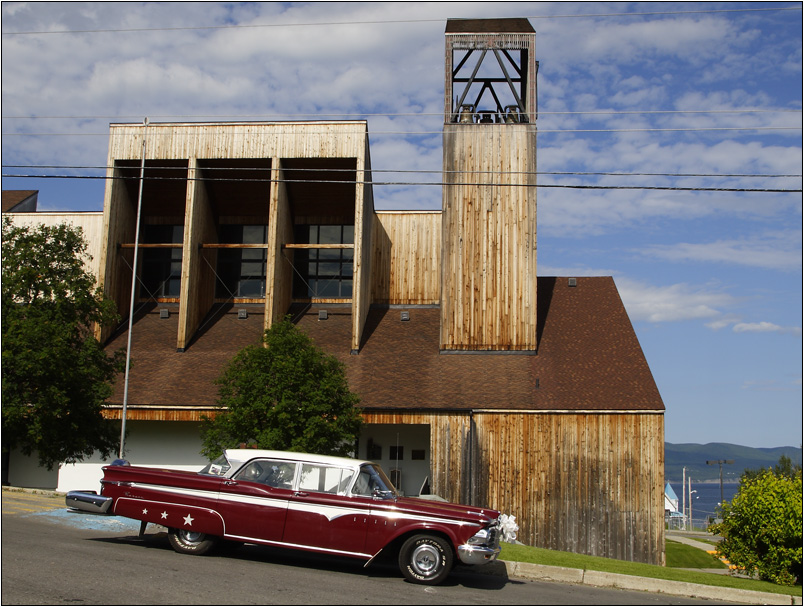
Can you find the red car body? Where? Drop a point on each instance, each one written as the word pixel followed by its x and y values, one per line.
pixel 319 503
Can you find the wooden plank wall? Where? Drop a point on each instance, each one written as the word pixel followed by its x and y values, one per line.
pixel 488 274
pixel 197 276
pixel 591 483
pixel 119 226
pixel 364 222
pixel 406 258
pixel 191 141
pixel 240 140
pixel 279 260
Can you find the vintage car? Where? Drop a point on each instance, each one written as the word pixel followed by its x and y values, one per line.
pixel 326 504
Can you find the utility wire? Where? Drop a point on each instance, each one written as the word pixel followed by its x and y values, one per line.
pixel 403 114
pixel 387 22
pixel 426 183
pixel 416 133
pixel 406 171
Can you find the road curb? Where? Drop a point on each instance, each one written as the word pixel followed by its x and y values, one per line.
pixel 600 579
pixel 49 492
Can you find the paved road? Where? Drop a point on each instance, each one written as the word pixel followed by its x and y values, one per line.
pixel 51 556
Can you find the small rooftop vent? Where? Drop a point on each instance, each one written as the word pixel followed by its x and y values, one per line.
pixel 242 314
pixel 164 313
pixel 404 316
pixel 573 282
pixel 322 315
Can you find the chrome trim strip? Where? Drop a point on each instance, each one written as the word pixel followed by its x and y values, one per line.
pixel 252 540
pixel 88 501
pixel 476 555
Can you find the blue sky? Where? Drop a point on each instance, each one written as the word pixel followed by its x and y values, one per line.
pixel 674 95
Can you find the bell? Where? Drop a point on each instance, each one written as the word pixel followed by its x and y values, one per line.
pixel 511 114
pixel 466 115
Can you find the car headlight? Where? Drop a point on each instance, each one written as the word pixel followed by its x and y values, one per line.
pixel 480 538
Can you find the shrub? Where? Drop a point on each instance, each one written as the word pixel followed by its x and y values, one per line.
pixel 762 528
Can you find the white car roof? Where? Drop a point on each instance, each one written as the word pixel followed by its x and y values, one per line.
pixel 244 455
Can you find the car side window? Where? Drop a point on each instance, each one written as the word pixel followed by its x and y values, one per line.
pixel 324 479
pixel 274 473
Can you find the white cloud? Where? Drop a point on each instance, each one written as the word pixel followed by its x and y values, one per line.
pixel 779 250
pixel 671 303
pixel 764 327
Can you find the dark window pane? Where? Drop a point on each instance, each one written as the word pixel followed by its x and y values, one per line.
pixel 253 234
pixel 348 234
pixel 251 288
pixel 329 288
pixel 329 254
pixel 330 235
pixel 329 269
pixel 252 269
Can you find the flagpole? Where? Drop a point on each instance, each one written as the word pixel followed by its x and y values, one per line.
pixel 133 290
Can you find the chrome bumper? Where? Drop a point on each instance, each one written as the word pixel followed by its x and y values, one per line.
pixel 477 555
pixel 88 501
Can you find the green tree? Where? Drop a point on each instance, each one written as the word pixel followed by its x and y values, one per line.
pixel 784 467
pixel 287 395
pixel 56 375
pixel 762 527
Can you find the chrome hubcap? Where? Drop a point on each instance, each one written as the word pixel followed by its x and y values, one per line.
pixel 191 537
pixel 425 559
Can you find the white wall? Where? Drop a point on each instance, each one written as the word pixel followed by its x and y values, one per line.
pixel 24 471
pixel 407 436
pixel 158 444
pixel 90 222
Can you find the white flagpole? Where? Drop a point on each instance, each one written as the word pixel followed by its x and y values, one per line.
pixel 133 290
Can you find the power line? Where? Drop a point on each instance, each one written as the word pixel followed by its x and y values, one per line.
pixel 385 22
pixel 421 183
pixel 409 171
pixel 406 114
pixel 542 131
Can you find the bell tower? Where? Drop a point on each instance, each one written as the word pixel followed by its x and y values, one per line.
pixel 488 280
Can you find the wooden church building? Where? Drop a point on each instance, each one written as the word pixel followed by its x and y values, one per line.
pixel 480 381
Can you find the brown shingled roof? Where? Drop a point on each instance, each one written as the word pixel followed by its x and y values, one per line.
pixel 589 358
pixel 14 198
pixel 515 25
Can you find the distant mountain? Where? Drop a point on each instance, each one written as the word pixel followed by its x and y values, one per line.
pixel 694 458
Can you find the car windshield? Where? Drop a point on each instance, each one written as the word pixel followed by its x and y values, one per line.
pixel 219 467
pixel 372 482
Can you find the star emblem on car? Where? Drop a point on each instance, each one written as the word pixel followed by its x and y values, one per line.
pixel 188 520
pixel 164 515
pixel 145 510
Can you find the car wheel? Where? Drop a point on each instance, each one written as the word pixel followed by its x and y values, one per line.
pixel 191 542
pixel 425 559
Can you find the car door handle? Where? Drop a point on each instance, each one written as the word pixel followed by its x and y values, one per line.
pixel 229 483
pixel 300 494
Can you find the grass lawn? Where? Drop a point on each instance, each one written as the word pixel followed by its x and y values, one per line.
pixel 682 555
pixel 542 556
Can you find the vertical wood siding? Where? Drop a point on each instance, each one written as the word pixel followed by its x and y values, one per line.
pixel 279 265
pixel 406 258
pixel 197 276
pixel 364 223
pixel 590 483
pixel 488 275
pixel 193 141
pixel 119 225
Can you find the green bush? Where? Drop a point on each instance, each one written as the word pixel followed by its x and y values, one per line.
pixel 289 395
pixel 762 528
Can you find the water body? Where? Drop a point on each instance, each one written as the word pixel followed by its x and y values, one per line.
pixel 705 500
